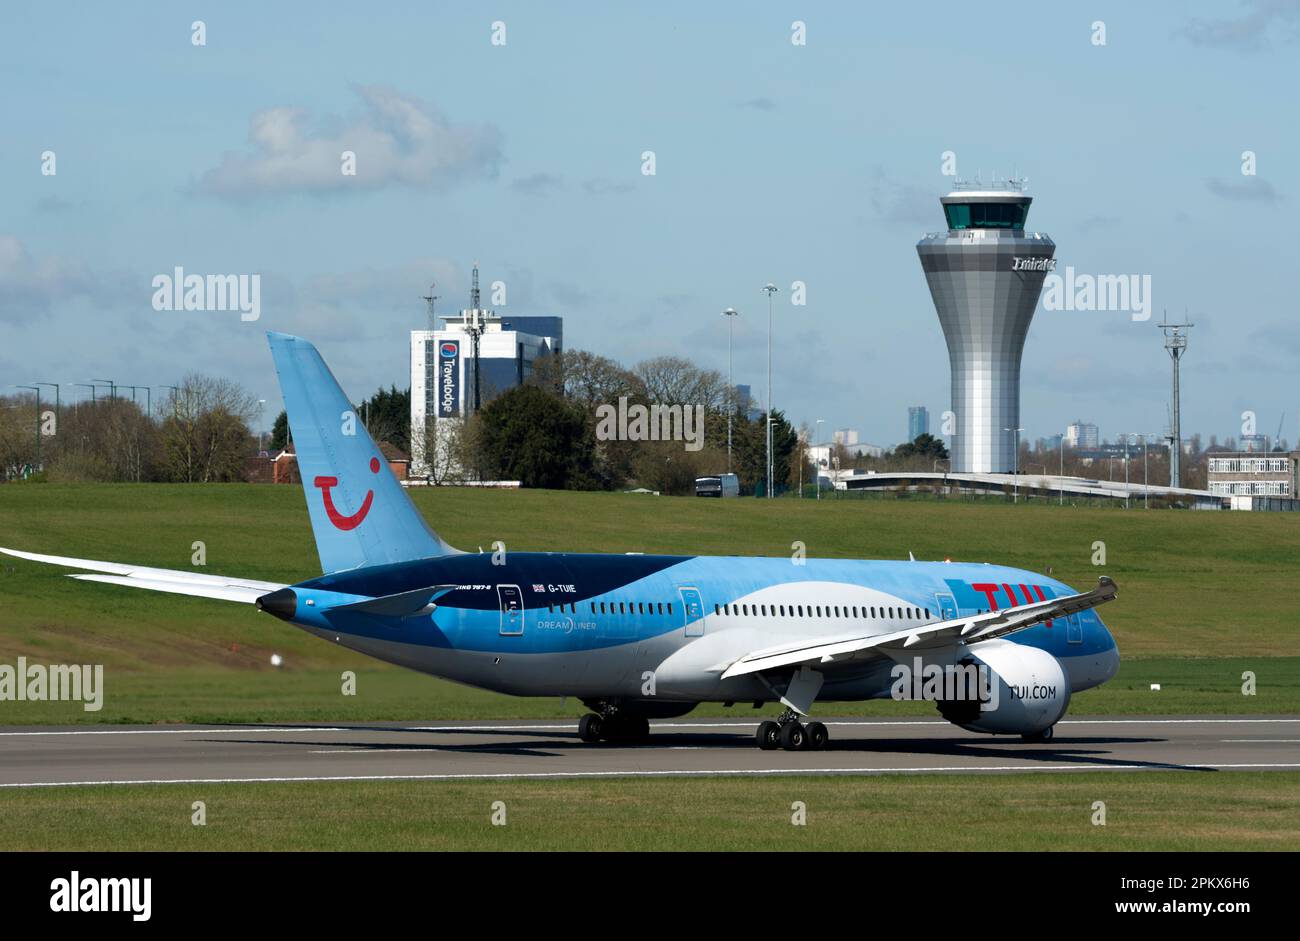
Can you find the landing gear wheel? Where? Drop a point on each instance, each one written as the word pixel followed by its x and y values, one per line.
pixel 1044 736
pixel 817 735
pixel 589 727
pixel 768 735
pixel 794 737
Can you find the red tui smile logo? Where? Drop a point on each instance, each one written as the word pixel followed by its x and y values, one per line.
pixel 338 519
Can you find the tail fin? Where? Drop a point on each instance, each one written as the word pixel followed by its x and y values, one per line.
pixel 360 514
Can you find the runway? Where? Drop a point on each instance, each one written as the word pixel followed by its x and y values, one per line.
pixel 102 755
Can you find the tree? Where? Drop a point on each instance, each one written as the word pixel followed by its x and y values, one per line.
pixel 536 437
pixel 280 432
pixel 207 437
pixel 749 446
pixel 925 445
pixel 387 416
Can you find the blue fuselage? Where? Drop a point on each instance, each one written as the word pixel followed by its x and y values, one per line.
pixel 597 625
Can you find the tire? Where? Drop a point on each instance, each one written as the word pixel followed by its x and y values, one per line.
pixel 768 735
pixel 794 737
pixel 589 727
pixel 817 735
pixel 1044 736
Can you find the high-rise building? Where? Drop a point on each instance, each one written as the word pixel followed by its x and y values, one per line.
pixel 1081 434
pixel 461 367
pixel 918 422
pixel 985 275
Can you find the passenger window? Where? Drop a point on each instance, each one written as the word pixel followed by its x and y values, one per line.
pixel 716 609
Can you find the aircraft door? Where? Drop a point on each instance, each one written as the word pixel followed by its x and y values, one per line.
pixel 692 611
pixel 1073 630
pixel 512 609
pixel 947 607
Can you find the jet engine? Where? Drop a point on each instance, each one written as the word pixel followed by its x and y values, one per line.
pixel 1025 691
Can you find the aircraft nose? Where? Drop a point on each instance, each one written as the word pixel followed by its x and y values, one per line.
pixel 1109 658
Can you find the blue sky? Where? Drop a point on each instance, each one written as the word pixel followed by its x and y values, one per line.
pixel 819 163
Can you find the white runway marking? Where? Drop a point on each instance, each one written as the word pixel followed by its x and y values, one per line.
pixel 727 772
pixel 1262 741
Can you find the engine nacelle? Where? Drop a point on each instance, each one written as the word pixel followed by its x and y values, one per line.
pixel 1028 691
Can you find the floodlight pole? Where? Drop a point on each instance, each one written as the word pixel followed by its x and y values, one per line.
pixel 731 314
pixel 771 289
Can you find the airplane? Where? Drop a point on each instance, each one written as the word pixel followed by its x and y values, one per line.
pixel 638 637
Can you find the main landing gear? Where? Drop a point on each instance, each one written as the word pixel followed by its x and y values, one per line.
pixel 613 727
pixel 1044 736
pixel 789 733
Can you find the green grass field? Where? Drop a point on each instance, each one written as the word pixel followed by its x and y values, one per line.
pixel 1171 810
pixel 1203 596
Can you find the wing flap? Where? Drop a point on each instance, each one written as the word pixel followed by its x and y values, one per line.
pixel 968 630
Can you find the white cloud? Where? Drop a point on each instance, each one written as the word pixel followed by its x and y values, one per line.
pixel 397 140
pixel 32 285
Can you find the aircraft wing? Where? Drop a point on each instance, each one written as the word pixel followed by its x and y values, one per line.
pixel 245 590
pixel 967 630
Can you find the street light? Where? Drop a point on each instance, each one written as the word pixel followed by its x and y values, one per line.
pixel 1145 486
pixel 1017 471
pixel 771 289
pixel 1062 481
pixel 731 314
pixel 37 390
pixel 112 387
pixel 175 391
pixel 148 398
pixel 57 414
pixel 261 423
pixel 817 434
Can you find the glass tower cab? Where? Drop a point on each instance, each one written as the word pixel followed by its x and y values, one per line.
pixel 986 209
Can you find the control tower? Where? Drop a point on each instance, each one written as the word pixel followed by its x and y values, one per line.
pixel 985 275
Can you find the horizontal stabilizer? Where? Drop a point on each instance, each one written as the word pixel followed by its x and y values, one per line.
pixel 174 581
pixel 220 592
pixel 401 605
